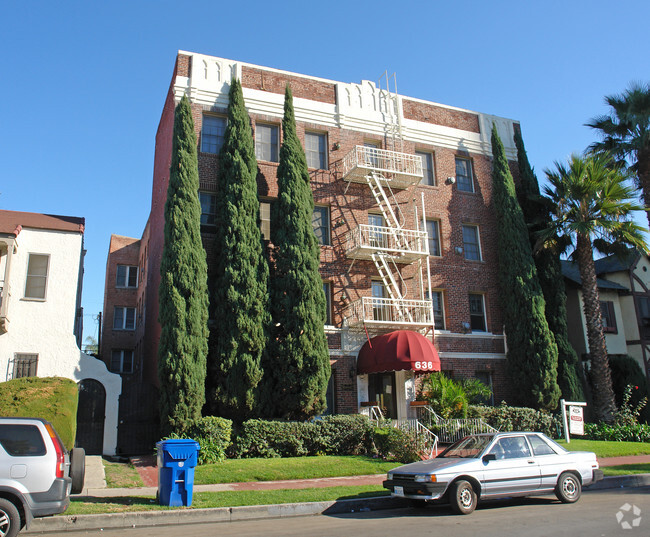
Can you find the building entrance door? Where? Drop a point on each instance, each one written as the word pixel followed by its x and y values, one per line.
pixel 382 389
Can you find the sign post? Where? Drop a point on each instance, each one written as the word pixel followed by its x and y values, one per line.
pixel 576 422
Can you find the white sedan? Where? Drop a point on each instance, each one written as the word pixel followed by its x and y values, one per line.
pixel 496 465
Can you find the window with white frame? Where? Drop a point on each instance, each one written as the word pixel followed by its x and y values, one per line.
pixel 428 170
pixel 265 220
pixel 471 242
pixel 608 316
pixel 123 318
pixel 433 232
pixel 316 150
pixel 380 307
pixel 376 235
pixel 25 365
pixel 121 361
pixel 127 276
pixel 464 175
pixel 208 208
pixel 321 222
pixel 266 142
pixel 36 282
pixel 213 132
pixel 477 312
pixel 327 289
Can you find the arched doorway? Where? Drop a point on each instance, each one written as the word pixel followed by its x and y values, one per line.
pixel 90 416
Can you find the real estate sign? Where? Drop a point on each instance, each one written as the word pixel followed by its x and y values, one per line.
pixel 576 420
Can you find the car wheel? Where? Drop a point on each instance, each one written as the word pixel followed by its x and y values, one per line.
pixel 462 497
pixel 568 488
pixel 418 504
pixel 9 519
pixel 77 469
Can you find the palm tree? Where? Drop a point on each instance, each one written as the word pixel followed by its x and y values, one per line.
pixel 593 204
pixel 626 133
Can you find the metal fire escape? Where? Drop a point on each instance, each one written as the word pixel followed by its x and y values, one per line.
pixel 393 244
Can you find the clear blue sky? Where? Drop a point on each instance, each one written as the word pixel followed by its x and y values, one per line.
pixel 83 83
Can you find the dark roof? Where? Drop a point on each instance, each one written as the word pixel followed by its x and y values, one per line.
pixel 614 263
pixel 570 272
pixel 12 222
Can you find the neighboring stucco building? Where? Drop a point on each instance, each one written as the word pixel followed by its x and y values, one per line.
pixel 624 292
pixel 403 195
pixel 41 271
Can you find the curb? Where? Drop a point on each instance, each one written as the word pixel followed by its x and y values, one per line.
pixel 256 512
pixel 219 514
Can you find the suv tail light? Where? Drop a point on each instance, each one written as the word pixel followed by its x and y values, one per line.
pixel 60 450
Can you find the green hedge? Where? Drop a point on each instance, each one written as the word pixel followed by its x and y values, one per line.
pixel 511 418
pixel 617 433
pixel 213 435
pixel 331 435
pixel 54 399
pixel 393 444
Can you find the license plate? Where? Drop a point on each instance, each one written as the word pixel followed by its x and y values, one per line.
pixel 399 491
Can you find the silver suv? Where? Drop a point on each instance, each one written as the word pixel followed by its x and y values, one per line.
pixel 37 474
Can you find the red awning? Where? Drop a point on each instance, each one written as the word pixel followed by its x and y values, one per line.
pixel 398 351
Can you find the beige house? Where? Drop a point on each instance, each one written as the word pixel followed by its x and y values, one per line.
pixel 624 291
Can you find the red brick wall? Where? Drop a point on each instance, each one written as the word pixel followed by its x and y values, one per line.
pixel 438 115
pixel 345 384
pixel 122 251
pixel 303 88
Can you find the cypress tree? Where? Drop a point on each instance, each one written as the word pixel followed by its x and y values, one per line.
pixel 299 367
pixel 183 293
pixel 532 352
pixel 240 293
pixel 549 273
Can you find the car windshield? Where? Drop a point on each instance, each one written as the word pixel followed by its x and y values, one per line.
pixel 469 447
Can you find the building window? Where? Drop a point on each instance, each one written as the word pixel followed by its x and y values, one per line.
pixel 471 243
pixel 486 378
pixel 36 283
pixel 122 361
pixel 428 171
pixel 265 220
pixel 372 154
pixel 438 309
pixel 380 307
pixel 608 316
pixel 213 133
pixel 376 235
pixel 477 313
pixel 433 231
pixel 127 276
pixel 316 150
pixel 321 222
pixel 266 142
pixel 25 365
pixel 464 176
pixel 327 289
pixel 123 318
pixel 208 208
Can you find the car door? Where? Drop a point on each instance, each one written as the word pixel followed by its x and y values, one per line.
pixel 514 471
pixel 550 463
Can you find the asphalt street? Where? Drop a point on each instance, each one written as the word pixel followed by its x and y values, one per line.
pixel 624 512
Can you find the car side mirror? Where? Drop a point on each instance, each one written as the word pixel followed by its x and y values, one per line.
pixel 489 457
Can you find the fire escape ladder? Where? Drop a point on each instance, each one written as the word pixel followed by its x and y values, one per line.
pixel 391 217
pixel 391 285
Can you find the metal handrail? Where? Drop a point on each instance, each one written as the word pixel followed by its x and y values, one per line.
pixel 387 310
pixel 453 429
pixel 387 239
pixel 416 427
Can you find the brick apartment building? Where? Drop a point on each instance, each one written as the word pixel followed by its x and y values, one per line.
pixel 403 197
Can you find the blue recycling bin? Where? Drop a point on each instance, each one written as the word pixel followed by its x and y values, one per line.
pixel 176 462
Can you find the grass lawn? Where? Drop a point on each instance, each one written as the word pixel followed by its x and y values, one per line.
pixel 626 469
pixel 243 470
pixel 225 499
pixel 607 449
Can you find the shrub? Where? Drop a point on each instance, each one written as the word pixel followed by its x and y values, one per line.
pixel 450 398
pixel 331 435
pixel 511 418
pixel 396 445
pixel 627 371
pixel 617 433
pixel 213 435
pixel 51 398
